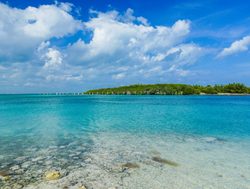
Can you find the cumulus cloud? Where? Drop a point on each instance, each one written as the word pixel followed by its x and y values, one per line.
pixel 118 76
pixel 126 41
pixel 237 46
pixel 54 68
pixel 22 30
pixel 121 46
pixel 111 35
pixel 53 59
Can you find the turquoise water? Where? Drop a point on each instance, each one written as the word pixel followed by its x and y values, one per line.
pixel 53 117
pixel 71 128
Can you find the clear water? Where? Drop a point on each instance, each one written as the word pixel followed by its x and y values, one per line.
pixel 74 133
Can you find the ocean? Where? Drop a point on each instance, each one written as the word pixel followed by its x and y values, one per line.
pixel 127 142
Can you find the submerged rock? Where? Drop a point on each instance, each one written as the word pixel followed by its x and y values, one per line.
pixel 88 160
pixel 52 175
pixel 20 171
pixel 4 176
pixel 155 152
pixel 15 168
pixel 164 161
pixel 26 164
pixel 130 166
pixel 82 187
pixel 21 158
pixel 210 139
pixel 3 173
pixel 37 159
pixel 17 186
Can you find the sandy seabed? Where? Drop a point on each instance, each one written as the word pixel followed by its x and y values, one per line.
pixel 127 161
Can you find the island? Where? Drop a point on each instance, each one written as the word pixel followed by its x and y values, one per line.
pixel 174 89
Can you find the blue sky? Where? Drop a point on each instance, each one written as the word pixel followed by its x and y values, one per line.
pixel 72 46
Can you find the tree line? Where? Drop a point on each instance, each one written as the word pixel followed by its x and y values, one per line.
pixel 173 89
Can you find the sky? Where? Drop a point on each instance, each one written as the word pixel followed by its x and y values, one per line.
pixel 73 46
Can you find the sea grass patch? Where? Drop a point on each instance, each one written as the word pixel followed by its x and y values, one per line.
pixel 164 161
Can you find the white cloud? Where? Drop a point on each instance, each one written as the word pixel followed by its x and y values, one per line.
pixel 48 21
pixel 143 20
pixel 181 54
pixel 22 30
pixel 54 68
pixel 119 76
pixel 53 59
pixel 122 47
pixel 121 41
pixel 65 6
pixel 64 77
pixel 237 46
pixel 112 35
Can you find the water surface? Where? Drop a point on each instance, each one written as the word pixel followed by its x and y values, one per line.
pixel 89 138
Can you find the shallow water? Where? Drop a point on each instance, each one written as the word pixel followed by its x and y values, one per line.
pixel 203 140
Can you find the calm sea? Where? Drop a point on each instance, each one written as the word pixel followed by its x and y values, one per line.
pixel 62 132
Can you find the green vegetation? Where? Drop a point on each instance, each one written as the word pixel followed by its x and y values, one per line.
pixel 173 89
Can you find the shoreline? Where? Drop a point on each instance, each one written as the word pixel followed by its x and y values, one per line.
pixel 219 94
